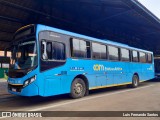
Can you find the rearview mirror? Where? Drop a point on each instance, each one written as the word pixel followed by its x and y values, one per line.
pixel 43 51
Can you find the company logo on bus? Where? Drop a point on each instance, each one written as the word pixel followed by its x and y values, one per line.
pixel 98 67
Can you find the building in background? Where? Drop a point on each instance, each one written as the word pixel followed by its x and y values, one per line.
pixel 4 63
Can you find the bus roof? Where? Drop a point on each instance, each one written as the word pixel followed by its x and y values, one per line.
pixel 41 27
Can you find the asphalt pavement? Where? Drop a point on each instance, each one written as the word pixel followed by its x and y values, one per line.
pixel 3 87
pixel 144 98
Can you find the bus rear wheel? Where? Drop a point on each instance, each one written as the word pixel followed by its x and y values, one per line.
pixel 78 88
pixel 135 81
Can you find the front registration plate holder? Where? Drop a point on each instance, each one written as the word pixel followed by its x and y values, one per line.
pixel 13 89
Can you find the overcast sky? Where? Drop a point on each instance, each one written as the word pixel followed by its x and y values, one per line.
pixel 152 5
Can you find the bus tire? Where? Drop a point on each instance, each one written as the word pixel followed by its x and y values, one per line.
pixel 135 81
pixel 78 88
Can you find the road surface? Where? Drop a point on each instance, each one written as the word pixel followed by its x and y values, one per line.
pixel 144 98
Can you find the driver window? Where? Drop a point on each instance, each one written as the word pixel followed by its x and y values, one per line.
pixel 49 50
pixel 52 50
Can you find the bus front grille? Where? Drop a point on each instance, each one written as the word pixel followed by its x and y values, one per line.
pixel 15 88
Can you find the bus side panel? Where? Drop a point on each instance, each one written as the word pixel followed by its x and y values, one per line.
pixel 147 72
pixel 123 72
pixel 81 67
pixel 52 85
pixel 41 84
pixel 52 82
pixel 135 68
pixel 98 73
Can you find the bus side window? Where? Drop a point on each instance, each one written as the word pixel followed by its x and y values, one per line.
pixel 125 55
pixel 142 57
pixel 113 53
pixel 149 58
pixel 58 51
pixel 99 51
pixel 135 56
pixel 80 48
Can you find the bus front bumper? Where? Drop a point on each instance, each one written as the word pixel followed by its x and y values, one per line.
pixel 30 90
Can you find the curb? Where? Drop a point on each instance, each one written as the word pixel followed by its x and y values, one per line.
pixel 3 80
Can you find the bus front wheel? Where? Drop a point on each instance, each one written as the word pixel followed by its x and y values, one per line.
pixel 135 81
pixel 78 88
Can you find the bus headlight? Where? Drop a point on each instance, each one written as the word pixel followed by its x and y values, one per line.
pixel 29 81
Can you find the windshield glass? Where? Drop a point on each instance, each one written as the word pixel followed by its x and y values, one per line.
pixel 24 55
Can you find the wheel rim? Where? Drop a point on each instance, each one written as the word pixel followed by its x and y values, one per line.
pixel 135 81
pixel 78 88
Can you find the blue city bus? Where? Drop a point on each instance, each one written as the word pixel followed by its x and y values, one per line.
pixel 47 61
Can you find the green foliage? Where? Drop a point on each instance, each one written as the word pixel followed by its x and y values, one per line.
pixel 2 74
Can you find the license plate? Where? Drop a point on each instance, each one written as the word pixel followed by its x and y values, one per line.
pixel 13 89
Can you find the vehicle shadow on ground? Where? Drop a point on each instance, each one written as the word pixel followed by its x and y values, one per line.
pixel 154 80
pixel 12 102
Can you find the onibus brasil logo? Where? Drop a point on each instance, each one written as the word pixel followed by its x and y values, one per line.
pixel 99 67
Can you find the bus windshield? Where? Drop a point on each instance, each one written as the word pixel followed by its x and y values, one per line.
pixel 24 55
